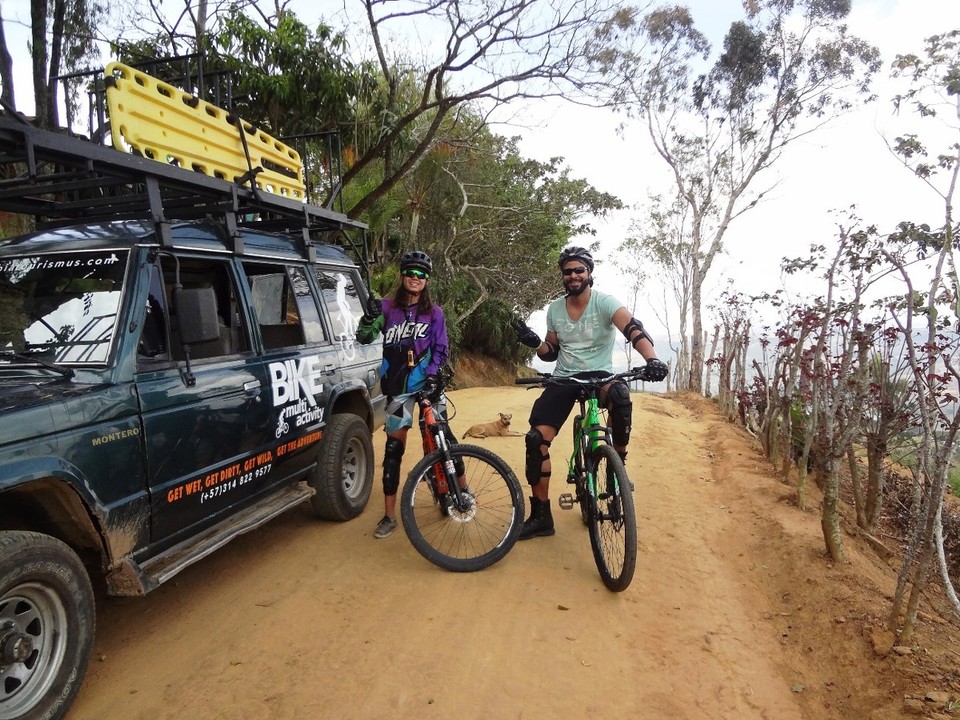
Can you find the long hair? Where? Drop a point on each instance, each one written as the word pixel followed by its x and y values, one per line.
pixel 401 299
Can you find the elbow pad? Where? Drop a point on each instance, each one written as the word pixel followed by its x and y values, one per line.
pixel 633 331
pixel 552 354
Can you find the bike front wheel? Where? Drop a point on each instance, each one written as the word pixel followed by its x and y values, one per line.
pixel 613 521
pixel 482 528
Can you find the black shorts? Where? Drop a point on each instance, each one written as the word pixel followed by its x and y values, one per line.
pixel 553 406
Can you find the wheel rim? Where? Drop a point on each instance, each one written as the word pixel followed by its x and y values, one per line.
pixel 479 533
pixel 354 468
pixel 33 641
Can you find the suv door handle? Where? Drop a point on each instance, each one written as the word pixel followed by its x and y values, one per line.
pixel 329 369
pixel 251 386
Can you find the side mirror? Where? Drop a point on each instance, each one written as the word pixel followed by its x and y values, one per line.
pixel 196 315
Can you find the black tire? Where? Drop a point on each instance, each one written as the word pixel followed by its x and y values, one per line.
pixel 613 522
pixel 343 477
pixel 47 622
pixel 464 541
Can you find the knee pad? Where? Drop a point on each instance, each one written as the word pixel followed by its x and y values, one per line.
pixel 535 456
pixel 621 412
pixel 392 455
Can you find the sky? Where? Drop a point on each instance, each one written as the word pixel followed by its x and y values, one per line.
pixel 846 164
pixel 843 165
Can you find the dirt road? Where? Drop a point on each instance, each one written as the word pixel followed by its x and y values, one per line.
pixel 733 612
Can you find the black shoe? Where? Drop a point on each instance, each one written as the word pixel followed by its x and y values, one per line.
pixel 540 522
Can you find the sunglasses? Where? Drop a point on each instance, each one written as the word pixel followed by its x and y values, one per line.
pixel 578 270
pixel 416 274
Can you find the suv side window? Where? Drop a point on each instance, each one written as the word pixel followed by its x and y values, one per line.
pixel 153 338
pixel 286 310
pixel 342 300
pixel 160 339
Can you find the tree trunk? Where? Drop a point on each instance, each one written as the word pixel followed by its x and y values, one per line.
pixel 857 485
pixel 830 515
pixel 6 69
pixel 58 26
pixel 696 333
pixel 38 23
pixel 873 504
pixel 921 576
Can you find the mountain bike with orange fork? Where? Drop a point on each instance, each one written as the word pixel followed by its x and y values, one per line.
pixel 461 505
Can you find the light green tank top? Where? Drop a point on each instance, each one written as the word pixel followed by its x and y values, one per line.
pixel 586 344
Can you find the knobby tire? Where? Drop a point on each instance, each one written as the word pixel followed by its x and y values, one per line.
pixel 471 540
pixel 613 521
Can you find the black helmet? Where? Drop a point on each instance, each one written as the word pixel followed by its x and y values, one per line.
pixel 575 252
pixel 416 259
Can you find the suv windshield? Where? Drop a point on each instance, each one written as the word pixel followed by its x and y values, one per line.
pixel 61 308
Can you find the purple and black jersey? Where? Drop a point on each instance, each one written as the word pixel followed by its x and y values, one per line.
pixel 414 345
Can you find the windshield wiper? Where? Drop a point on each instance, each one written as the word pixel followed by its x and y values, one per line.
pixel 67 372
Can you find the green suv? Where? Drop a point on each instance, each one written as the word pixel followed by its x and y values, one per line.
pixel 165 385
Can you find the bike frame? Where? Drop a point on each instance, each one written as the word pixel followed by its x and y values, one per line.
pixel 589 431
pixel 434 437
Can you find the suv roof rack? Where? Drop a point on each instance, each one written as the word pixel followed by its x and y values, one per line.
pixel 62 178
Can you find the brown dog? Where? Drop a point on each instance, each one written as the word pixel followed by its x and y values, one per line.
pixel 497 428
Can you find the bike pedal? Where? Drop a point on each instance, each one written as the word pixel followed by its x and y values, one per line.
pixel 566 501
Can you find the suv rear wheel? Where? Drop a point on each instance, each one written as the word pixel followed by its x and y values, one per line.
pixel 343 477
pixel 46 625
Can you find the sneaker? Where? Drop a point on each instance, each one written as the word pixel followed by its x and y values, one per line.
pixel 385 527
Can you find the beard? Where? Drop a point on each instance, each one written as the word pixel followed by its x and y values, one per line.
pixel 575 291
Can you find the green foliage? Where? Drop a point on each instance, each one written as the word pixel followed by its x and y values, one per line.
pixel 744 64
pixel 488 332
pixel 954 480
pixel 295 79
pixel 934 83
pixel 494 224
pixel 421 166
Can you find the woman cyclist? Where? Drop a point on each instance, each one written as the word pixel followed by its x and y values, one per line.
pixel 415 347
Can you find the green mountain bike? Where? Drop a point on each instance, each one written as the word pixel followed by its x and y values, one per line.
pixel 601 486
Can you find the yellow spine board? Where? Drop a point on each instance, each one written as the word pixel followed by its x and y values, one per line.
pixel 167 124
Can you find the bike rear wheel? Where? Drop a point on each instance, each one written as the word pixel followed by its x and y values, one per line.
pixel 475 535
pixel 613 521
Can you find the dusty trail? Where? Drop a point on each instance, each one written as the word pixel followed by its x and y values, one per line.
pixel 303 619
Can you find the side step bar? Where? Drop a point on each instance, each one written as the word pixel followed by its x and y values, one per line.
pixel 132 578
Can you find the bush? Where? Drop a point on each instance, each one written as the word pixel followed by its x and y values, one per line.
pixel 900 501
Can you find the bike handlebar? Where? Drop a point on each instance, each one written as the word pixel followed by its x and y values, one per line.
pixel 548 379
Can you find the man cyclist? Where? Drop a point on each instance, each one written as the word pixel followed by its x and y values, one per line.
pixel 581 334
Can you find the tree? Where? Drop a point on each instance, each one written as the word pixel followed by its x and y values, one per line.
pixel 837 364
pixel 7 94
pixel 889 409
pixel 784 71
pixel 659 242
pixel 933 92
pixel 492 54
pixel 394 112
pixel 63 37
pixel 494 222
pixel 292 79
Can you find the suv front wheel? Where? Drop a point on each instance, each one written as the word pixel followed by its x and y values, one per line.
pixel 343 477
pixel 46 625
